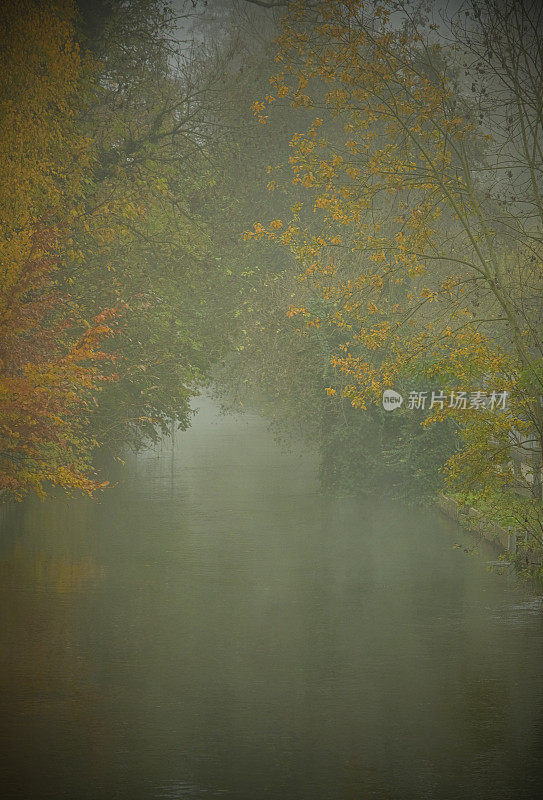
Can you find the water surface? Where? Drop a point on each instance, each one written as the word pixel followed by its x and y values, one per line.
pixel 217 626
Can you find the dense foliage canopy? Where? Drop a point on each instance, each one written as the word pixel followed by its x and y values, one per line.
pixel 309 202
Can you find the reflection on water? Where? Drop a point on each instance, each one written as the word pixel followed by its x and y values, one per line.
pixel 218 627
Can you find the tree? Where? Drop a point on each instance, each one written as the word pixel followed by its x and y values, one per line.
pixel 50 358
pixel 425 271
pixel 142 239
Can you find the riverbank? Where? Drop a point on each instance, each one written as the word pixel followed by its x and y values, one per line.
pixel 519 544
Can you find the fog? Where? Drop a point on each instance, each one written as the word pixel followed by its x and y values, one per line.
pixel 271 399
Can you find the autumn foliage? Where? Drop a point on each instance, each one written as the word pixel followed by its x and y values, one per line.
pixel 414 268
pixel 49 356
pixel 396 168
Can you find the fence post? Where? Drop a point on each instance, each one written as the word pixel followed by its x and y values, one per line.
pixel 512 539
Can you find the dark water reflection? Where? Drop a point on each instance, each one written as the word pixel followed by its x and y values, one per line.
pixel 217 627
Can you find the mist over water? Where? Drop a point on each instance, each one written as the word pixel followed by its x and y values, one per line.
pixel 218 626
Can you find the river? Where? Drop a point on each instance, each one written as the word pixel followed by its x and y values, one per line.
pixel 219 627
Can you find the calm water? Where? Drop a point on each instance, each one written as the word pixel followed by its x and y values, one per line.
pixel 218 627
